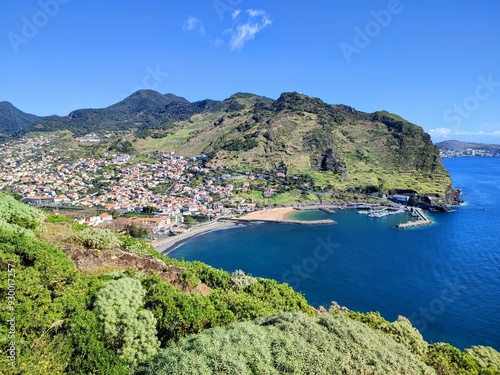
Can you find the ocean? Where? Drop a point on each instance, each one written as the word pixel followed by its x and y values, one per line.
pixel 445 278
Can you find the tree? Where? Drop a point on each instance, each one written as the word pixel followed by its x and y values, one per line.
pixel 137 232
pixel 149 209
pixel 128 328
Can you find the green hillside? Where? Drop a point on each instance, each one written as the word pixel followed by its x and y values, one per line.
pixel 13 119
pixel 341 148
pixel 88 301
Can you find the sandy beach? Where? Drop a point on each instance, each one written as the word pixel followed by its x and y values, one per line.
pixel 273 214
pixel 166 244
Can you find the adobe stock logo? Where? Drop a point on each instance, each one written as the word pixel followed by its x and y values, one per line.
pixel 32 25
pixel 223 6
pixel 425 315
pixel 459 111
pixel 372 29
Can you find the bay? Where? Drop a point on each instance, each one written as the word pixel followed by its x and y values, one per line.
pixel 445 278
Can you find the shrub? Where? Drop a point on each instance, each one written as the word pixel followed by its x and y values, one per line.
pixel 189 278
pixel 14 212
pixel 240 280
pixel 401 330
pixel 137 246
pixel 287 344
pixel 101 239
pixel 91 354
pixel 488 359
pixel 448 360
pixel 128 328
pixel 214 278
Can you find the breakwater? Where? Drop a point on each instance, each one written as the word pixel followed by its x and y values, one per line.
pixel 300 222
pixel 422 219
pixel 328 208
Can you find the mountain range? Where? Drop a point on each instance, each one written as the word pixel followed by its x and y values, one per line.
pixel 342 149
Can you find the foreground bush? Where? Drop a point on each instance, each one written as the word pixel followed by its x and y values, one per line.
pixel 101 239
pixel 128 328
pixel 288 343
pixel 22 215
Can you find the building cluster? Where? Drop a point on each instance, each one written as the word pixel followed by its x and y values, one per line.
pixel 163 185
pixel 469 152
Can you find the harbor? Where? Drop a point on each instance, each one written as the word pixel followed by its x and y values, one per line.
pixel 381 212
pixel 378 212
pixel 422 219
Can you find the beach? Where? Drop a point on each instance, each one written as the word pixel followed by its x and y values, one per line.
pixel 273 214
pixel 166 244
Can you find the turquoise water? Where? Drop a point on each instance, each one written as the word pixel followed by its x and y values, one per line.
pixel 445 278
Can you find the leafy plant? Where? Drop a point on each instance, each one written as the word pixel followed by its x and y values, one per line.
pixel 128 328
pixel 101 239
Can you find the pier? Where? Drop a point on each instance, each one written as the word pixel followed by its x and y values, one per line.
pixel 422 219
pixel 301 222
pixel 328 208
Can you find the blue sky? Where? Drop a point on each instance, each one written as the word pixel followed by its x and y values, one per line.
pixel 435 63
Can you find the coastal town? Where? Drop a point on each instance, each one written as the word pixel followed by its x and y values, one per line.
pixel 116 183
pixel 487 151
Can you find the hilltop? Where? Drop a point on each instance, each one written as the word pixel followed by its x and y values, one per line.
pixel 92 301
pixel 339 150
pixel 13 119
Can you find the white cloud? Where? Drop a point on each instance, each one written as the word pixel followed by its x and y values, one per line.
pixel 194 24
pixel 246 24
pixel 244 28
pixel 236 13
pixel 439 132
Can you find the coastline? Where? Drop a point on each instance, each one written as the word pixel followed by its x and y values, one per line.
pixel 166 244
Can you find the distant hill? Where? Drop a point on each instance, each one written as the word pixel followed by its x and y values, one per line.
pixel 458 145
pixel 13 119
pixel 145 109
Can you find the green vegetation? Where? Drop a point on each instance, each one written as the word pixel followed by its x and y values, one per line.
pixel 100 239
pixel 182 317
pixel 288 344
pixel 12 119
pixel 136 232
pixel 69 322
pixel 129 328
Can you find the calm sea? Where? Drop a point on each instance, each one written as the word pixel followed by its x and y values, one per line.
pixel 445 278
